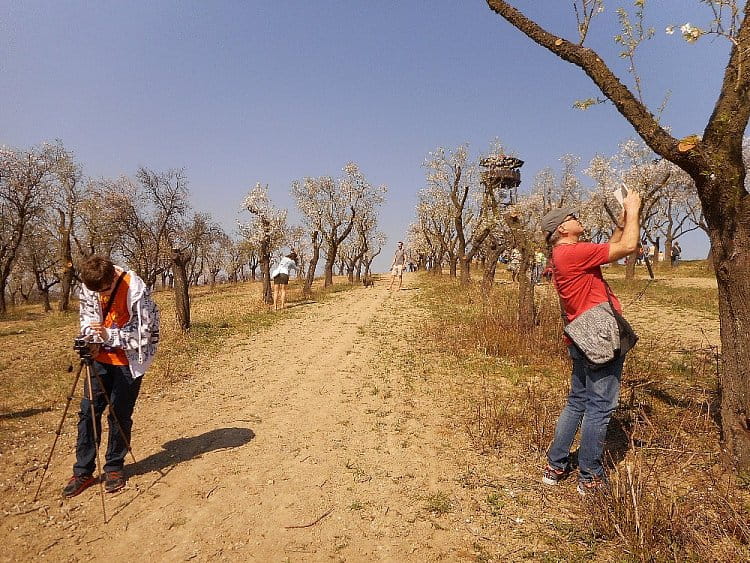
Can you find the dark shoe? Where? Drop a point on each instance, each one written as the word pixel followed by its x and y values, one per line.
pixel 114 481
pixel 553 476
pixel 77 484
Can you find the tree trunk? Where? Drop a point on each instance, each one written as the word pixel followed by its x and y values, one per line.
pixel 668 247
pixel 66 259
pixel 328 269
pixel 452 262
pixel 732 266
pixel 526 307
pixel 490 268
pixel 46 301
pixel 630 265
pixel 265 272
pixel 315 238
pixel 180 259
pixel 3 304
pixel 465 269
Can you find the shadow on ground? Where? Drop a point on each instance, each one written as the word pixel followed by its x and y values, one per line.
pixel 184 449
pixel 299 303
pixel 24 413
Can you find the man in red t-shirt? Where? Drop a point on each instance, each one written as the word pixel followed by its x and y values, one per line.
pixel 593 392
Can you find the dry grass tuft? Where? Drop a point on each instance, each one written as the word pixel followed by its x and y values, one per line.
pixel 658 516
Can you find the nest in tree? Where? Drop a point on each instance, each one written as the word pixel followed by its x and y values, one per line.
pixel 501 169
pixel 501 161
pixel 505 176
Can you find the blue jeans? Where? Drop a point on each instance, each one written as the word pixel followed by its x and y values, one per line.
pixel 122 391
pixel 592 400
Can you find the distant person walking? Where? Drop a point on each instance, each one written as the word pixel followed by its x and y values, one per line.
pixel 514 264
pixel 594 392
pixel 280 277
pixel 676 251
pixel 397 266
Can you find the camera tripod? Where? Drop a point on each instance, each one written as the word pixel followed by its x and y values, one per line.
pixel 87 363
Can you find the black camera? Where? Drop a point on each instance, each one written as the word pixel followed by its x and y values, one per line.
pixel 82 345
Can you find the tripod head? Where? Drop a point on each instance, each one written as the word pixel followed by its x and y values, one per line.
pixel 83 345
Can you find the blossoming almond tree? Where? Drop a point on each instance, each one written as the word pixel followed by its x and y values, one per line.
pixel 714 162
pixel 25 178
pixel 329 207
pixel 265 231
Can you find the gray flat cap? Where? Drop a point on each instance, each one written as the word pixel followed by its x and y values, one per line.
pixel 555 218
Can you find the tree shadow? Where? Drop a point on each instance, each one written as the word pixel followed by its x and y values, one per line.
pixel 617 442
pixel 177 451
pixel 292 304
pixel 24 413
pixel 669 399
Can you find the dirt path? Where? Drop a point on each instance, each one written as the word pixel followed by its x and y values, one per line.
pixel 312 440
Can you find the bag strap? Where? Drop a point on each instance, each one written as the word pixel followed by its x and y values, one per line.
pixel 106 310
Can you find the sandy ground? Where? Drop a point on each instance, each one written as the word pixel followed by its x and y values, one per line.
pixel 303 442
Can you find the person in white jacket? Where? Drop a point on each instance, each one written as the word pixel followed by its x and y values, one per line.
pixel 127 337
pixel 280 277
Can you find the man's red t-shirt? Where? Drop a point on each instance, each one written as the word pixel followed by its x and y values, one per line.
pixel 578 277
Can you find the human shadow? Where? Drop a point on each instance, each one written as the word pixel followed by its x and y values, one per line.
pixel 24 413
pixel 183 449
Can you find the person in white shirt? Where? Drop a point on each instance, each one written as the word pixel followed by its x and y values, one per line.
pixel 397 266
pixel 280 277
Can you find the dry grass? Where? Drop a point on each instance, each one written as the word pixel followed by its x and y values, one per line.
pixel 670 498
pixel 37 357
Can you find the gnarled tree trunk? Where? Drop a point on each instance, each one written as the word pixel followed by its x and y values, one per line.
pixel 180 259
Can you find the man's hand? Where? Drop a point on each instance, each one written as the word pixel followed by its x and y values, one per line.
pixel 631 204
pixel 100 331
pixel 627 242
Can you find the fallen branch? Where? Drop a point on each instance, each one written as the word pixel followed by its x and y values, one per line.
pixel 28 511
pixel 313 522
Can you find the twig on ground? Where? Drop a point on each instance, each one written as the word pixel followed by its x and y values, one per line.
pixel 28 511
pixel 54 543
pixel 313 522
pixel 676 450
pixel 480 536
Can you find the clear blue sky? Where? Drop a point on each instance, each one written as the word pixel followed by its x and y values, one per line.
pixel 274 90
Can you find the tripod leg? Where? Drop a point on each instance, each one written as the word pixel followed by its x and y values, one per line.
pixel 59 428
pixel 114 414
pixel 96 436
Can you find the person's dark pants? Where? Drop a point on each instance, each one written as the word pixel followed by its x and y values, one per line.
pixel 122 391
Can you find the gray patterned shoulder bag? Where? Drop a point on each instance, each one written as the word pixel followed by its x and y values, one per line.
pixel 601 334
